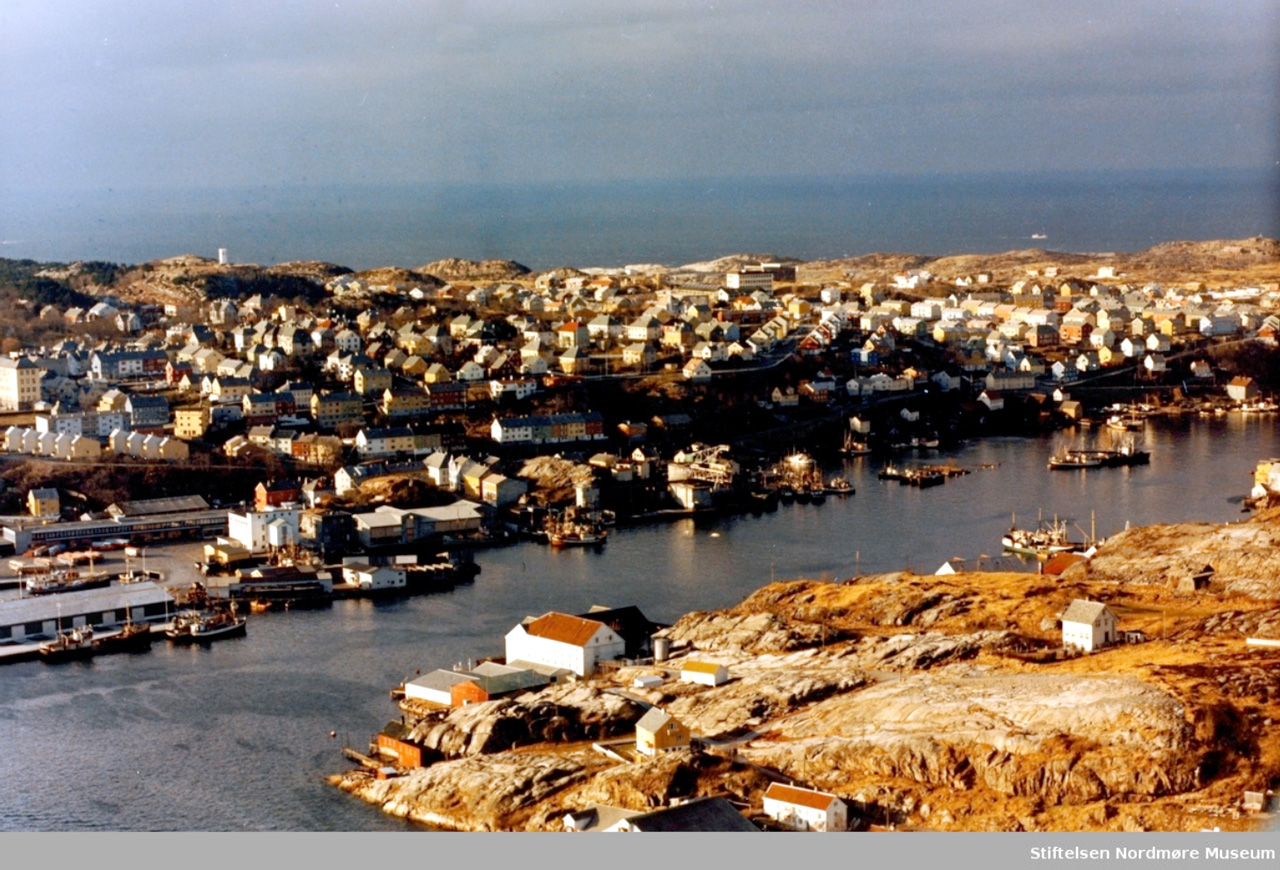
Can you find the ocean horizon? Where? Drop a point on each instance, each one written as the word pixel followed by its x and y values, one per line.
pixel 670 221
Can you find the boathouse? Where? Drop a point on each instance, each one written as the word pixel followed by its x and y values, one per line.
pixel 393 743
pixel 28 619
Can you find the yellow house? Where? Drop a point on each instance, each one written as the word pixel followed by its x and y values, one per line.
pixel 660 732
pixel 43 502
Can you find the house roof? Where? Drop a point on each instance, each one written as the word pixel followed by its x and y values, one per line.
pixel 707 814
pixel 701 667
pixel 654 720
pixel 801 796
pixel 564 628
pixel 1087 612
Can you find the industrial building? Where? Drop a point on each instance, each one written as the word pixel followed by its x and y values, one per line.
pixel 28 619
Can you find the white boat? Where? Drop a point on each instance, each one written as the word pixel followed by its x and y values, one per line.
pixel 1041 542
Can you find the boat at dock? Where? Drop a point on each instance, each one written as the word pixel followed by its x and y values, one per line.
pixel 54 582
pixel 573 529
pixel 132 637
pixel 1041 542
pixel 198 627
pixel 75 643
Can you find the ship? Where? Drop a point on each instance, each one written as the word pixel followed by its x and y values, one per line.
pixel 132 637
pixel 572 529
pixel 192 626
pixel 1040 542
pixel 65 581
pixel 76 643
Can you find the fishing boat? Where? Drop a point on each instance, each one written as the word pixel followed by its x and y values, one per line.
pixel 839 486
pixel 854 447
pixel 132 637
pixel 1073 459
pixel 76 643
pixel 197 627
pixel 575 530
pixel 65 581
pixel 1040 542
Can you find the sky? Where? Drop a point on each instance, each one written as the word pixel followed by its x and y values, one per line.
pixel 162 93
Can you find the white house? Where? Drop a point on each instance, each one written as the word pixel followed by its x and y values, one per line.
pixel 374 578
pixel 1088 625
pixel 803 809
pixel 259 531
pixel 559 640
pixel 706 673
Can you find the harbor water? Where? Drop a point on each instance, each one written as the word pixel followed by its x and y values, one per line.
pixel 236 735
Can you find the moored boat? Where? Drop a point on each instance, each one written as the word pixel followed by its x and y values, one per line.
pixel 75 643
pixel 195 627
pixel 132 637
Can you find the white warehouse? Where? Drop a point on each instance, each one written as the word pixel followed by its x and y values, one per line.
pixel 558 640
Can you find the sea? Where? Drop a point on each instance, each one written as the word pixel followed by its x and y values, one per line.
pixel 236 736
pixel 669 221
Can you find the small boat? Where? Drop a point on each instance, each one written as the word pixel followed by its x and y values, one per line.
pixel 839 486
pixel 891 472
pixel 195 627
pixel 77 643
pixel 1039 236
pixel 854 447
pixel 786 494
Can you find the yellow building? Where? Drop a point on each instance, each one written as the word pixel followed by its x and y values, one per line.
pixel 43 502
pixel 660 732
pixel 190 423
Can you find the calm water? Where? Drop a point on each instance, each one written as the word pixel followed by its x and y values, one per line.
pixel 236 736
pixel 673 222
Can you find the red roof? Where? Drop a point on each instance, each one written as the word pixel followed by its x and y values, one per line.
pixel 1060 562
pixel 564 628
pixel 800 796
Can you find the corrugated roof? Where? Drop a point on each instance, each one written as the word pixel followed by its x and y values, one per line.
pixel 70 604
pixel 800 796
pixel 564 628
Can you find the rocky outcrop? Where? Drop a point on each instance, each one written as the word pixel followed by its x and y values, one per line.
pixel 1245 556
pixel 454 269
pixel 556 714
pixel 749 632
pixel 1063 739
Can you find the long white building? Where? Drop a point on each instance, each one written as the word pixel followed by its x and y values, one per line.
pixel 558 640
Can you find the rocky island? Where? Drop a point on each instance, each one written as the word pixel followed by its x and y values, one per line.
pixel 927 702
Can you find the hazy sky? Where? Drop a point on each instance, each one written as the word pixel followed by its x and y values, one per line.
pixel 243 92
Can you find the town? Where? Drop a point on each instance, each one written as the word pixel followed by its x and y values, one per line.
pixel 363 433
